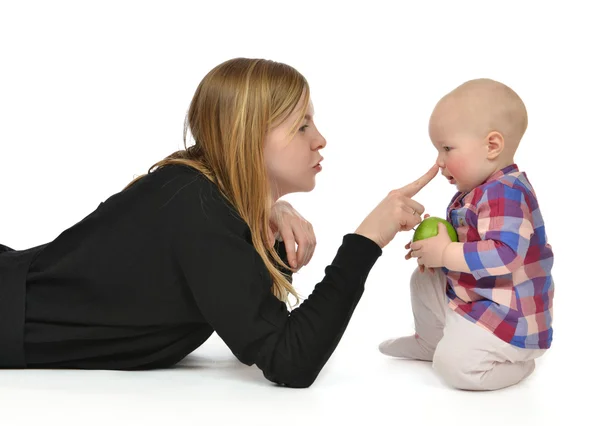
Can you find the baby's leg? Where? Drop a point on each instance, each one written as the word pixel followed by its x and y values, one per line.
pixel 472 358
pixel 428 297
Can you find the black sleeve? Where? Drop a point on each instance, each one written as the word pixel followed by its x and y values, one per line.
pixel 280 249
pixel 232 289
pixel 313 330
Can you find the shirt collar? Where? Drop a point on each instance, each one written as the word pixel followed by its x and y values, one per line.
pixel 459 196
pixel 502 172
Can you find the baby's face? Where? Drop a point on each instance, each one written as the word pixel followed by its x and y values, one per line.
pixel 462 150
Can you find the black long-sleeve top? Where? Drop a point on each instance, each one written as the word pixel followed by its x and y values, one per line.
pixel 148 276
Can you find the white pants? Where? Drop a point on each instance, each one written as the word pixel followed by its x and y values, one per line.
pixel 464 355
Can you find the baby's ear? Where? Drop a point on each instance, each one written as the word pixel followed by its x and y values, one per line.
pixel 495 144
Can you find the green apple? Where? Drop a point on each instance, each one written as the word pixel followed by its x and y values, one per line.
pixel 429 228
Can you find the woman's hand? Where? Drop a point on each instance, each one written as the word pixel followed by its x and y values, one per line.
pixel 397 212
pixel 288 225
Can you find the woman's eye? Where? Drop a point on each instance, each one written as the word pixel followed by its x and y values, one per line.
pixel 303 128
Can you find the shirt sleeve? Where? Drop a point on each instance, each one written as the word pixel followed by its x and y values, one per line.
pixel 504 224
pixel 232 289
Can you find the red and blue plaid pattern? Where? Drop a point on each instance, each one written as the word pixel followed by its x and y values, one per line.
pixel 510 288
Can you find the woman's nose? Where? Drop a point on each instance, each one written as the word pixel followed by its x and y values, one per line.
pixel 319 142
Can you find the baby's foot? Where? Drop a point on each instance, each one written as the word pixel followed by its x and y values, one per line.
pixel 406 347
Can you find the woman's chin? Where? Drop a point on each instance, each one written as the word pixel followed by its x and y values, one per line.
pixel 308 187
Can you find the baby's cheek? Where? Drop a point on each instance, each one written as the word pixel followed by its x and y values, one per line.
pixel 456 167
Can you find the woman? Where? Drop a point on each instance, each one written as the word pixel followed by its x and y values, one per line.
pixel 189 248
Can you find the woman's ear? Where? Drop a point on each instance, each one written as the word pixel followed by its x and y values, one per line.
pixel 495 145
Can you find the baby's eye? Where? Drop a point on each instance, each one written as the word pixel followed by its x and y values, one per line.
pixel 446 148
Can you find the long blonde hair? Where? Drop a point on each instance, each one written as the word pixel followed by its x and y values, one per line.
pixel 230 114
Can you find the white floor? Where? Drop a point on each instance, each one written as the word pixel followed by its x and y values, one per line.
pixel 358 385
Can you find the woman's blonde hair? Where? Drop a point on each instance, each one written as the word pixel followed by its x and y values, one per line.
pixel 230 114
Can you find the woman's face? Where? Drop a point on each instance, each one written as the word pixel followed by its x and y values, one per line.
pixel 292 165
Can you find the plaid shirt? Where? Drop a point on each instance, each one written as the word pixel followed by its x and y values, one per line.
pixel 510 289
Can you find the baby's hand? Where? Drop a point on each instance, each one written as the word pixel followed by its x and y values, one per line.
pixel 408 255
pixel 430 251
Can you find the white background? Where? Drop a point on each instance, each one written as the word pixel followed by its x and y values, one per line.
pixel 93 93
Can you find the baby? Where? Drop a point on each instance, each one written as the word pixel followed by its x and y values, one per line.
pixel 482 306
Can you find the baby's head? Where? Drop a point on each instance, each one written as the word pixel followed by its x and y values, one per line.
pixel 476 129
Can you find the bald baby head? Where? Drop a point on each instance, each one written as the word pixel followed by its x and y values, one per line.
pixel 480 107
pixel 476 129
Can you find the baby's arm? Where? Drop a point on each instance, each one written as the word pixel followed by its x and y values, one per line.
pixel 454 258
pixel 505 227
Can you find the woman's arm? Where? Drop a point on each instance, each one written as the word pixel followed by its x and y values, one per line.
pixel 232 290
pixel 232 287
pixel 281 250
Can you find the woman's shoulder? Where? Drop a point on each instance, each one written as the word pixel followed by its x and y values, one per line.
pixel 188 197
pixel 174 181
pixel 171 175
